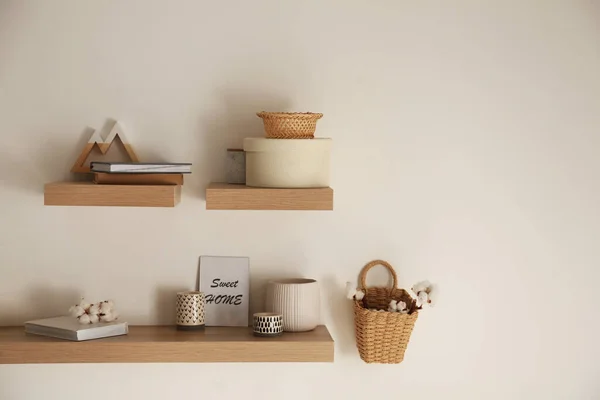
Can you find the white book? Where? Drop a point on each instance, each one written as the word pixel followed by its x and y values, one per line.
pixel 69 328
pixel 141 168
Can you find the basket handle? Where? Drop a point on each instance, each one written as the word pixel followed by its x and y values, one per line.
pixel 366 268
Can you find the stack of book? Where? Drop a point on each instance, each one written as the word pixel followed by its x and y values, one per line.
pixel 135 173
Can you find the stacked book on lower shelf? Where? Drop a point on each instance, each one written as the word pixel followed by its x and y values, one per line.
pixel 122 184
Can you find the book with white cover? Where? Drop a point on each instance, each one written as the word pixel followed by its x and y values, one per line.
pixel 141 168
pixel 69 328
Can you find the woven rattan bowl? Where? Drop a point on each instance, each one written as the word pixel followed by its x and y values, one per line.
pixel 287 125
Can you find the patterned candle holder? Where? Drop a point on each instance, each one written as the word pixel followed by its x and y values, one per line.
pixel 267 324
pixel 190 311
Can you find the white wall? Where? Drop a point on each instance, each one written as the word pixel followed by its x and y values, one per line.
pixel 466 137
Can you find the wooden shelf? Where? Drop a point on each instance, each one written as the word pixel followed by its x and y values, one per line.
pixel 223 196
pixel 165 344
pixel 91 194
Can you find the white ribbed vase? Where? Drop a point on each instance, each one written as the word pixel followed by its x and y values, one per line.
pixel 297 300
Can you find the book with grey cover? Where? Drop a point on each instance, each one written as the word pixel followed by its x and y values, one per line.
pixel 69 328
pixel 141 168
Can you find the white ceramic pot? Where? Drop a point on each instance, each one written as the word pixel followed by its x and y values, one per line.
pixel 287 163
pixel 297 300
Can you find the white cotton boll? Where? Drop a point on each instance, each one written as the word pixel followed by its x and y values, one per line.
pixel 106 317
pixel 359 295
pixel 422 299
pixel 94 318
pixel 84 319
pixel 433 294
pixel 94 309
pixel 421 286
pixel 84 304
pixel 402 307
pixel 106 307
pixel 109 317
pixel 392 306
pixel 76 311
pixel 350 290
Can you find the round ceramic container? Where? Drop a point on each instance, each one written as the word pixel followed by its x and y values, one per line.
pixel 190 311
pixel 287 163
pixel 297 300
pixel 267 324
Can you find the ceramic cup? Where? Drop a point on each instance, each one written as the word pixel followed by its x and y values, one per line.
pixel 267 324
pixel 297 300
pixel 190 311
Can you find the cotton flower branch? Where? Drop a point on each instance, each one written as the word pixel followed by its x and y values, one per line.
pixel 398 306
pixel 88 313
pixel 426 292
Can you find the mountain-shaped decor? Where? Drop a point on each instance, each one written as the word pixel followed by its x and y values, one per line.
pixel 117 189
pixel 103 145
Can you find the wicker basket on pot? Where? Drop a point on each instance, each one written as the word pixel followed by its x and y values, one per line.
pixel 382 336
pixel 284 125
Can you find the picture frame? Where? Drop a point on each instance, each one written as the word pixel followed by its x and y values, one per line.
pixel 225 282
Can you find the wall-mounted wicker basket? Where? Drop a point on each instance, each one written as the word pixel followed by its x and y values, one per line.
pixel 284 125
pixel 382 336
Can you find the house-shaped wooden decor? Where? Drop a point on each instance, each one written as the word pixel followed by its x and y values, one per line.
pixel 117 131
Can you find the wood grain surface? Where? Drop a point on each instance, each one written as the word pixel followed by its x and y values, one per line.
pixel 165 344
pixel 90 194
pixel 223 196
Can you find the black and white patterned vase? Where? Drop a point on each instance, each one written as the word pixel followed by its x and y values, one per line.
pixel 190 311
pixel 267 324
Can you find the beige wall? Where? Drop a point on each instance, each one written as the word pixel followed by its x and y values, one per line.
pixel 466 136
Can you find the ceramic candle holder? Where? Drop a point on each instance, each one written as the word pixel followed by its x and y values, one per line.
pixel 297 300
pixel 190 311
pixel 267 324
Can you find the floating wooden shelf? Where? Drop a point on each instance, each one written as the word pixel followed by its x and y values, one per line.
pixel 164 344
pixel 91 194
pixel 223 196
